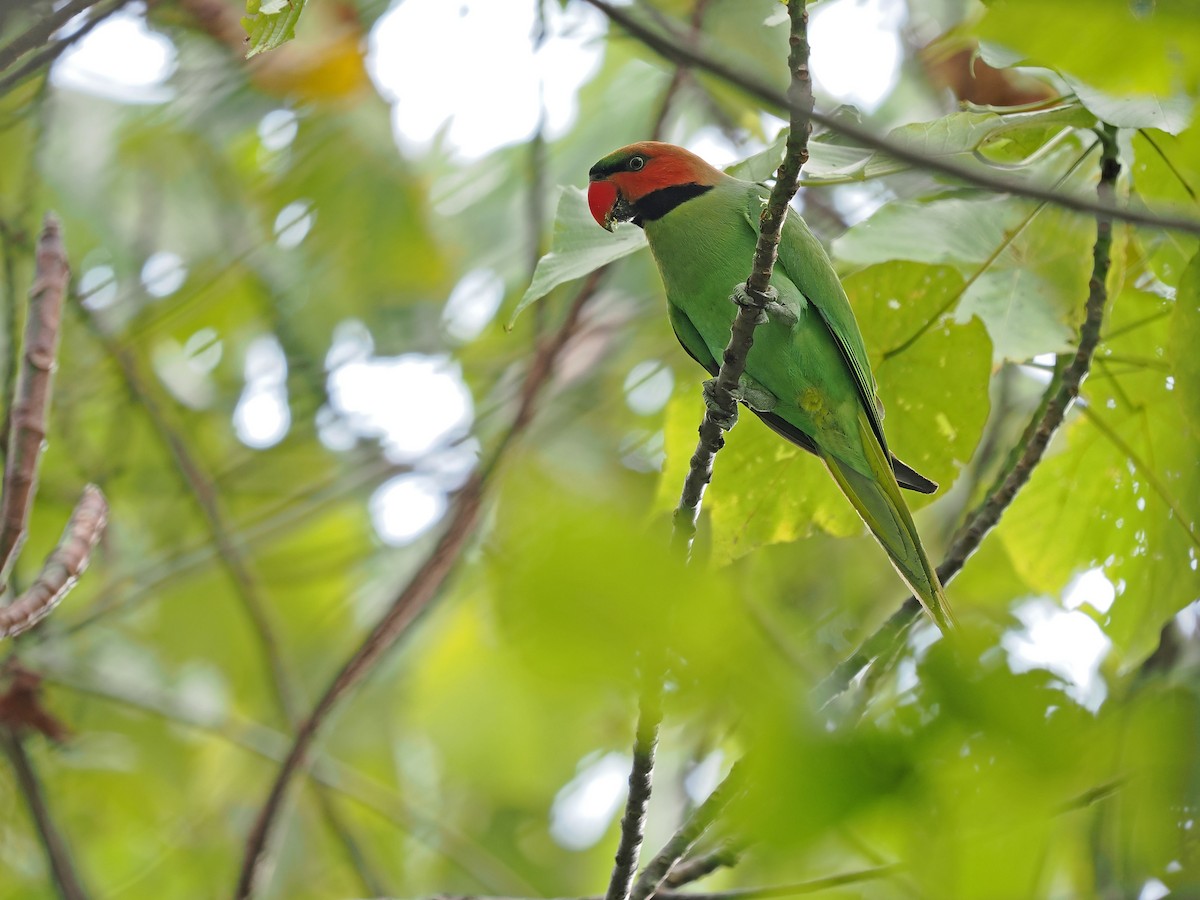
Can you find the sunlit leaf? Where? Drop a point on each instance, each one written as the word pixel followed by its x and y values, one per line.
pixel 271 24
pixel 579 247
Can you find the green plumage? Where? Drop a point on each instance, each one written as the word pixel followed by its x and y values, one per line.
pixel 816 368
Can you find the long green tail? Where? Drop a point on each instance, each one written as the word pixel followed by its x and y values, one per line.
pixel 877 499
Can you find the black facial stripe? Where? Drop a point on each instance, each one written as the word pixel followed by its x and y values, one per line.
pixel 658 203
pixel 600 171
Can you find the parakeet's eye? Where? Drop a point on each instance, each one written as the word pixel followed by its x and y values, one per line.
pixel 636 163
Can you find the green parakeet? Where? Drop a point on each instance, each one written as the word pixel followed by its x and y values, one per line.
pixel 807 375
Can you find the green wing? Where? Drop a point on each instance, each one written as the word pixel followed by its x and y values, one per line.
pixel 805 262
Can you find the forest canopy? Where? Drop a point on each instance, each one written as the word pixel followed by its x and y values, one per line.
pixel 372 443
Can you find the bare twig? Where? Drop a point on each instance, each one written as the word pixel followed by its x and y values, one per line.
pixel 62 568
pixel 660 868
pixel 28 416
pixel 633 823
pixel 1055 403
pixel 415 597
pixel 757 293
pixel 673 46
pixel 66 880
pixel 702 866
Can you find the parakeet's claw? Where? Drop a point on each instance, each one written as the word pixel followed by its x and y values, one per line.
pixel 725 416
pixel 755 396
pixel 755 301
pixel 781 314
pixel 748 391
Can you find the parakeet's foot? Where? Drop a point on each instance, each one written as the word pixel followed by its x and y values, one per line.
pixel 726 418
pixel 767 303
pixel 748 391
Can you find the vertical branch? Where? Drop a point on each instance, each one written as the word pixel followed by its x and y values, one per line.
pixel 32 395
pixel 1029 451
pixel 753 297
pixel 650 698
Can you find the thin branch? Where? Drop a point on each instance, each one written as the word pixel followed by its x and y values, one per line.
pixel 725 857
pixel 633 823
pixel 204 494
pixel 753 297
pixel 62 568
pixel 32 396
pixel 659 869
pixel 41 31
pixel 415 597
pixel 1055 403
pixel 62 870
pixel 672 46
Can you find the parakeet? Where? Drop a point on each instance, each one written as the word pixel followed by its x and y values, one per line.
pixel 807 376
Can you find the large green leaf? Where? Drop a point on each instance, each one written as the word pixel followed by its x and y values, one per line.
pixel 1029 266
pixel 1124 493
pixel 1149 47
pixel 1185 339
pixel 270 23
pixel 579 248
pixel 935 389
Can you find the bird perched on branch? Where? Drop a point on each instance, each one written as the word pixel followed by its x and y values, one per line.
pixel 807 375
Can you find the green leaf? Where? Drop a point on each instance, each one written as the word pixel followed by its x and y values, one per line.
pixel 1030 270
pixel 578 248
pixel 935 389
pixel 1124 493
pixel 1150 46
pixel 960 134
pixel 1185 339
pixel 1171 114
pixel 271 24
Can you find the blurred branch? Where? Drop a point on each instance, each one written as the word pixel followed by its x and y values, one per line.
pixel 41 31
pixel 62 870
pixel 44 57
pixel 673 46
pixel 461 851
pixel 753 297
pixel 1055 402
pixel 62 568
pixel 204 493
pixel 32 395
pixel 417 594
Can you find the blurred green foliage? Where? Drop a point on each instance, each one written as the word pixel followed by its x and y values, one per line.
pixel 981 769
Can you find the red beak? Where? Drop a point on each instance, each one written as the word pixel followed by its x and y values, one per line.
pixel 602 197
